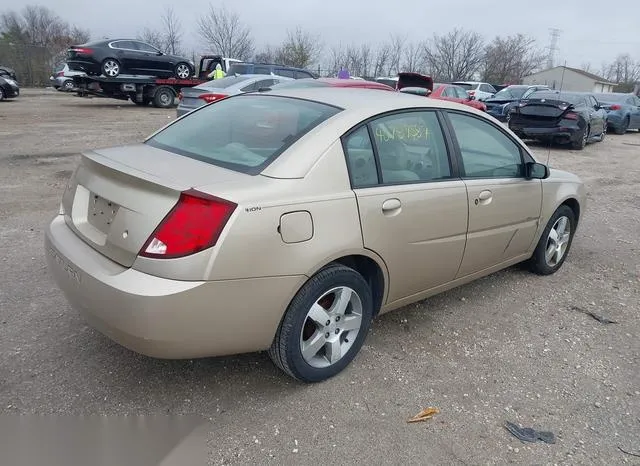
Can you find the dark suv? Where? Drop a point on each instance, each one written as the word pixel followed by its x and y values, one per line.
pixel 267 68
pixel 127 56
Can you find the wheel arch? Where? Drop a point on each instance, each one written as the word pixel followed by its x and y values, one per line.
pixel 369 265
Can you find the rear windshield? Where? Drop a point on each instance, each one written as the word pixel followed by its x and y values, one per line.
pixel 240 68
pixel 223 83
pixel 571 98
pixel 244 133
pixel 510 93
pixel 300 84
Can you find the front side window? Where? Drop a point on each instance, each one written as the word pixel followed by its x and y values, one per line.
pixel 411 147
pixel 486 151
pixel 243 133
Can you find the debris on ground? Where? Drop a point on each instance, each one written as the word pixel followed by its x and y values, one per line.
pixel 424 415
pixel 528 434
pixel 599 318
pixel 628 452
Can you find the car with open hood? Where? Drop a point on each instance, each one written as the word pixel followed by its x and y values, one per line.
pixel 287 220
pixel 573 118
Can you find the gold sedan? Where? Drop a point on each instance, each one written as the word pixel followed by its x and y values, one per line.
pixel 287 220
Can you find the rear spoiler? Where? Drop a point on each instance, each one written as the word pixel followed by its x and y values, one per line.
pixel 406 79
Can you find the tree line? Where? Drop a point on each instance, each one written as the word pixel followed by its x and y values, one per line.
pixel 35 38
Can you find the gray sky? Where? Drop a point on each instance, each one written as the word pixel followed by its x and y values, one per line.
pixel 588 33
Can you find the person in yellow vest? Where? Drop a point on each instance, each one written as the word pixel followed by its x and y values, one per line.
pixel 217 73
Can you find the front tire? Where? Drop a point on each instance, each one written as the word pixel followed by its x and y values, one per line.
pixel 68 85
pixel 325 325
pixel 110 68
pixel 183 71
pixel 555 242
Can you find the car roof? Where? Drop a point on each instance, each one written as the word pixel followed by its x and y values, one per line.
pixel 337 82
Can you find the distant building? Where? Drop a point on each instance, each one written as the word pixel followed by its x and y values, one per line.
pixel 571 79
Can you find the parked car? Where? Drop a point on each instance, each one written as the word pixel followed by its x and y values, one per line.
pixel 9 87
pixel 208 64
pixel 127 56
pixel 500 105
pixel 574 118
pixel 195 97
pixel 267 68
pixel 62 78
pixel 623 111
pixel 477 90
pixel 219 234
pixel 457 94
pixel 333 82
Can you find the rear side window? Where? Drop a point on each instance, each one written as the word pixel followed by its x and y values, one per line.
pixel 240 68
pixel 257 69
pixel 243 133
pixel 302 74
pixel 285 73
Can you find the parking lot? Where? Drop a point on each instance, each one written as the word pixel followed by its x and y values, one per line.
pixel 510 347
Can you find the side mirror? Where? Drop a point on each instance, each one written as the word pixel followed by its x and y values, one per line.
pixel 536 171
pixel 159 53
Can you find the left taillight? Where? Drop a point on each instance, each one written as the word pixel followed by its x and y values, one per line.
pixel 194 224
pixel 615 107
pixel 82 50
pixel 208 98
pixel 570 116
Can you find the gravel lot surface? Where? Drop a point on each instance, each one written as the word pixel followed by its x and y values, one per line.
pixel 511 346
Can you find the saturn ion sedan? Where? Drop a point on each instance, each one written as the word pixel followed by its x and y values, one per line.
pixel 287 220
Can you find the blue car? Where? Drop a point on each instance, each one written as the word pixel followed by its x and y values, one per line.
pixel 623 111
pixel 500 105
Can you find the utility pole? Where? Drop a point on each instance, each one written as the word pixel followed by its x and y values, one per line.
pixel 553 46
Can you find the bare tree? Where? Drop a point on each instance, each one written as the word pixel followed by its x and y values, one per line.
pixel 300 49
pixel 509 59
pixel 396 47
pixel 623 70
pixel 586 66
pixel 413 57
pixel 224 32
pixel 381 60
pixel 172 32
pixel 366 58
pixel 456 55
pixel 266 55
pixel 152 37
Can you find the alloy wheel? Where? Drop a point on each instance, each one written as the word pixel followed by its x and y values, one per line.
pixel 557 241
pixel 331 327
pixel 111 68
pixel 183 71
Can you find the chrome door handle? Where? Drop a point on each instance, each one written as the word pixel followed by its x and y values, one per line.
pixel 484 197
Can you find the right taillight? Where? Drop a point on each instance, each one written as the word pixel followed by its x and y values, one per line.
pixel 194 224
pixel 615 107
pixel 208 98
pixel 571 116
pixel 83 50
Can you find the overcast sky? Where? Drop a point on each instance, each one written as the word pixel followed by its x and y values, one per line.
pixel 590 31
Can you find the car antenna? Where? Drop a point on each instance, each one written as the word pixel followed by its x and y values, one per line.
pixel 564 68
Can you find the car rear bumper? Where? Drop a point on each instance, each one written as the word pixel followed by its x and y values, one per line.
pixel 85 66
pixel 11 91
pixel 166 318
pixel 556 133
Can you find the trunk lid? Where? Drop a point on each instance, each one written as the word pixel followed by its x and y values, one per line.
pixel 190 97
pixel 117 197
pixel 544 108
pixel 414 80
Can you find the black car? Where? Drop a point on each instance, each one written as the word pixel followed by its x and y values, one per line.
pixel 268 68
pixel 126 56
pixel 573 118
pixel 506 99
pixel 8 83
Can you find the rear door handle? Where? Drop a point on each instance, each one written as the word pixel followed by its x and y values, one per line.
pixel 484 197
pixel 391 205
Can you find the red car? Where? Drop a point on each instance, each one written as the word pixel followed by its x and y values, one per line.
pixel 420 84
pixel 455 93
pixel 332 82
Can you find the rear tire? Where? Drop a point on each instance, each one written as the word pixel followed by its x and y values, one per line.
pixel 110 68
pixel 310 338
pixel 68 85
pixel 1 94
pixel 622 129
pixel 546 259
pixel 582 142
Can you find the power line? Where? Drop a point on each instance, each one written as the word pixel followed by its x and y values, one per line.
pixel 553 46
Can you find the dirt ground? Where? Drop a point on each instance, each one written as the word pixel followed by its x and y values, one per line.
pixel 510 347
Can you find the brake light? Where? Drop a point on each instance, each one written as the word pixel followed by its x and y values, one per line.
pixel 83 50
pixel 571 116
pixel 194 224
pixel 615 107
pixel 472 92
pixel 208 98
pixel 60 74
